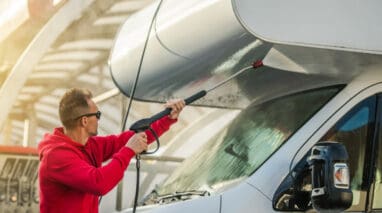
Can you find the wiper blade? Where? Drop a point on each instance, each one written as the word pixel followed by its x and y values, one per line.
pixel 179 196
pixel 150 198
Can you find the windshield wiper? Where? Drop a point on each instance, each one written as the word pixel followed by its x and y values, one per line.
pixel 174 197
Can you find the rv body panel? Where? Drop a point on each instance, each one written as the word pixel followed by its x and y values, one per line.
pixel 341 25
pixel 184 29
pixel 241 199
pixel 200 43
pixel 184 34
pixel 210 204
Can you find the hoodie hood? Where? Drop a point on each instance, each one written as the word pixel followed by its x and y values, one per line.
pixel 55 139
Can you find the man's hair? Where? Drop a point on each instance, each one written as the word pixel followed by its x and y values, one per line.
pixel 74 103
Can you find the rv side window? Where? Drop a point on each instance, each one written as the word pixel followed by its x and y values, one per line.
pixel 355 131
pixel 377 197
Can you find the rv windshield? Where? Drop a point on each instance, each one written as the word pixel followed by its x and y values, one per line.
pixel 247 142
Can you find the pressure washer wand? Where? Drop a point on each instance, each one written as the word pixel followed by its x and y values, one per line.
pixel 144 124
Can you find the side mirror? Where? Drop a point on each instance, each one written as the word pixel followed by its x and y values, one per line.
pixel 330 177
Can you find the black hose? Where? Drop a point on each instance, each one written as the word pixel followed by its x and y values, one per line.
pixel 138 166
pixel 130 102
pixel 140 66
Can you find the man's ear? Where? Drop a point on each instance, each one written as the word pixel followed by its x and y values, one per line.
pixel 84 121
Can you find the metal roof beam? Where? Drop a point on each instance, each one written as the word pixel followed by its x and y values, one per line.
pixel 32 54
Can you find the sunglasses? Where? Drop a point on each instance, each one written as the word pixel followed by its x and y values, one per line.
pixel 97 114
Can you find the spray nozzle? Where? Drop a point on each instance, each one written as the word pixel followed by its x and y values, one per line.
pixel 257 64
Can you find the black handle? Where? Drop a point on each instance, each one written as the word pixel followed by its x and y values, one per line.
pixel 144 124
pixel 195 97
pixel 188 100
pixel 160 115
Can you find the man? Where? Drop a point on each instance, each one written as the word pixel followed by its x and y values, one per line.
pixel 71 174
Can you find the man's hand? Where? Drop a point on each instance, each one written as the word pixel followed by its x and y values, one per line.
pixel 176 106
pixel 138 142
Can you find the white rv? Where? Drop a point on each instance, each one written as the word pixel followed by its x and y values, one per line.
pixel 321 82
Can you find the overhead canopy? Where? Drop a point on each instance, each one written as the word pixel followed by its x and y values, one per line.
pixel 345 25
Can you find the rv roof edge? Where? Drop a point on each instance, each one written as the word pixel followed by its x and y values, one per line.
pixel 308 27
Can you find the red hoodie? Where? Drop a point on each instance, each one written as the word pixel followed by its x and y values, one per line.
pixel 71 175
